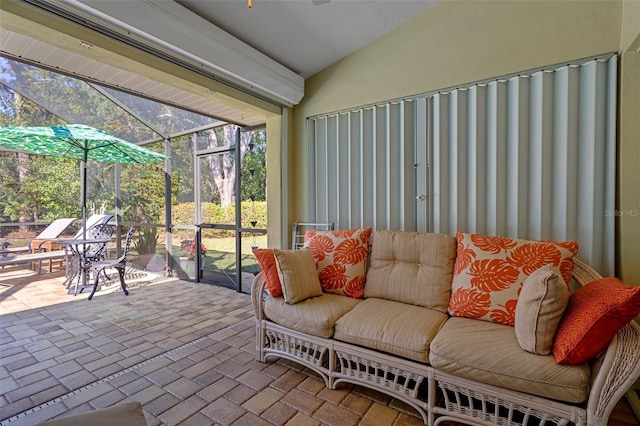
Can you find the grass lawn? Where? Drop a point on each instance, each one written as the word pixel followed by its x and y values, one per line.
pixel 229 244
pixel 220 254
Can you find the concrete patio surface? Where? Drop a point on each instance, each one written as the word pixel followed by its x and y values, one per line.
pixel 183 350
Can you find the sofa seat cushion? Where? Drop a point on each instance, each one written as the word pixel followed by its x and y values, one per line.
pixel 392 327
pixel 315 316
pixel 489 353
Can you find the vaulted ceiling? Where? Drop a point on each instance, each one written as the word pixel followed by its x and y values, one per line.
pixel 277 44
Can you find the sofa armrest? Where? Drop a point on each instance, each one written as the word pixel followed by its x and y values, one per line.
pixel 617 368
pixel 257 295
pixel 583 273
pixel 614 372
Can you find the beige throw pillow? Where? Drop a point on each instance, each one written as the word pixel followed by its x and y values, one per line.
pixel 541 304
pixel 298 275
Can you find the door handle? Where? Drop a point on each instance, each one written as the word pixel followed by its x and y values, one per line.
pixel 421 197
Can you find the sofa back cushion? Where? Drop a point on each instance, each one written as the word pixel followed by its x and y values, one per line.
pixel 411 267
pixel 490 271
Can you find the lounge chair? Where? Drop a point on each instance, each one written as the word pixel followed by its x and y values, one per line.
pixel 44 249
pixel 52 231
pixel 42 242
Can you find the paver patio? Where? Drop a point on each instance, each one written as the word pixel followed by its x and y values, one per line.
pixel 183 350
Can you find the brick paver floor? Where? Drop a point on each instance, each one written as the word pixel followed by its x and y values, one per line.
pixel 184 350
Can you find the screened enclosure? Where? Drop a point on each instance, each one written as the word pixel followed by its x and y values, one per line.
pixel 171 205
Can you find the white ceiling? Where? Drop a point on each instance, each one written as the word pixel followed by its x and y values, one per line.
pixel 304 36
pixel 307 36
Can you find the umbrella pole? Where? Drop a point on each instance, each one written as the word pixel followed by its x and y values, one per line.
pixel 83 194
pixel 83 271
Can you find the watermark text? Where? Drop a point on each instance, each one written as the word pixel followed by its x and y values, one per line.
pixel 623 213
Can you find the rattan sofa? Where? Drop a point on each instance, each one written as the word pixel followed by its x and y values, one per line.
pixel 316 334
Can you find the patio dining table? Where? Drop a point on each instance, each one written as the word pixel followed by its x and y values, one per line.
pixel 77 249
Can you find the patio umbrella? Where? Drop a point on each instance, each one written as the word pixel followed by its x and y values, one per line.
pixel 76 141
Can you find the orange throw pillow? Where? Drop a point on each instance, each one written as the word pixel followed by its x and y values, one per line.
pixel 267 261
pixel 489 273
pixel 341 259
pixel 593 316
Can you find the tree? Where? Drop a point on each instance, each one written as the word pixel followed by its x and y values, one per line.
pixel 32 188
pixel 253 170
pixel 42 188
pixel 142 187
pixel 222 166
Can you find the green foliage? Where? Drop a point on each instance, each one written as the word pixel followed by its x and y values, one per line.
pixel 253 171
pixel 254 211
pixel 182 187
pixel 37 188
pixel 142 188
pixel 214 213
pixel 147 240
pixel 41 188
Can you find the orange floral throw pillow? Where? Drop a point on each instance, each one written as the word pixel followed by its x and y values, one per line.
pixel 489 273
pixel 593 316
pixel 267 261
pixel 341 259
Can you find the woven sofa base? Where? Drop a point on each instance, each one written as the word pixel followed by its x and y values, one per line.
pixel 314 353
pixel 480 404
pixel 436 396
pixel 439 397
pixel 338 362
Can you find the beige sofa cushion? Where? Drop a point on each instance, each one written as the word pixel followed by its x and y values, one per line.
pixel 392 327
pixel 315 316
pixel 411 267
pixel 487 352
pixel 541 303
pixel 297 273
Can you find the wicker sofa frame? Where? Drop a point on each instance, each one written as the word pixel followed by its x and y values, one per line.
pixel 440 397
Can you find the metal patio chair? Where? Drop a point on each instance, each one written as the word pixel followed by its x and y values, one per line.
pixel 83 255
pixel 120 264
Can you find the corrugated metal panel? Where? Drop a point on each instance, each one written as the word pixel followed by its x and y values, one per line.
pixel 530 157
pixel 527 156
pixel 354 158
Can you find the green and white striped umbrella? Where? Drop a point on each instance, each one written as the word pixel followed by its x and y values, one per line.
pixel 76 141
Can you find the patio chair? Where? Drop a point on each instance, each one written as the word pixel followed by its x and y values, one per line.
pixel 120 264
pixel 92 221
pixel 51 232
pixel 129 414
pixel 83 255
pixel 42 242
